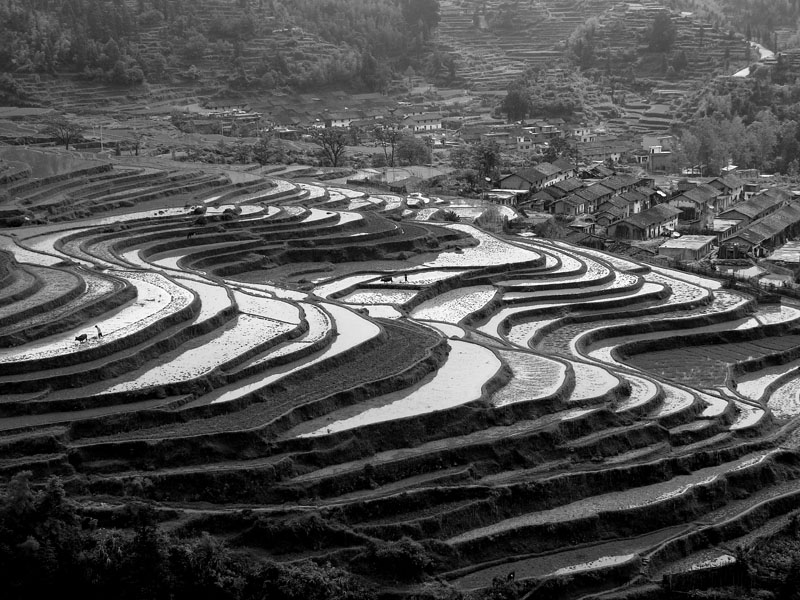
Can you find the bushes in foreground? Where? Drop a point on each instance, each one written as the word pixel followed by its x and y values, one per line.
pixel 47 548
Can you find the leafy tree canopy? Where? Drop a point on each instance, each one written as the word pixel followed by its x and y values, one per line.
pixel 662 33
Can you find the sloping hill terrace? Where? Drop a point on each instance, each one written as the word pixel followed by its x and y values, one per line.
pixel 621 47
pixel 306 352
pixel 496 41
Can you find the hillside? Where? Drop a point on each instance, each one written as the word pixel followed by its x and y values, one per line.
pixel 309 372
pixel 155 49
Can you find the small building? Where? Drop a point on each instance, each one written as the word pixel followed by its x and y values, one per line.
pixel 620 183
pixel 341 119
pixel 429 121
pixel 612 210
pixel 593 195
pixel 551 172
pixel 565 167
pixel 665 141
pixel 602 150
pixel 687 248
pixel 724 228
pixel 582 133
pixel 525 179
pixel 758 238
pixel 539 201
pixel 760 205
pixel 659 160
pixel 731 190
pixel 653 222
pixel 788 254
pixel 570 206
pixel 559 189
pixel 598 171
pixel 696 205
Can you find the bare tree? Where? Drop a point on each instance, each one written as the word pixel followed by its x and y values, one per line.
pixel 65 131
pixel 137 138
pixel 332 141
pixel 387 135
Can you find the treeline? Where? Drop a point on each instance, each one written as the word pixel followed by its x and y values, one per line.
pixel 46 36
pixel 51 547
pixel 541 94
pixel 128 44
pixel 756 19
pixel 751 122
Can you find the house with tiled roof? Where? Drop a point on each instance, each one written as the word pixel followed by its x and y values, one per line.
pixel 647 224
pixel 731 190
pixel 566 167
pixel 429 121
pixel 569 206
pixel 636 201
pixel 559 189
pixel 612 210
pixel 756 207
pixel 530 179
pixel 697 205
pixel 341 119
pixel 598 171
pixel 594 195
pixel 540 201
pixel 620 183
pixel 761 236
pixel 652 195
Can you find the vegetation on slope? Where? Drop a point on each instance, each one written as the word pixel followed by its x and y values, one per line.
pixel 365 43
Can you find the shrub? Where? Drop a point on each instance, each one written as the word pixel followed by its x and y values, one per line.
pixel 151 18
pixel 404 560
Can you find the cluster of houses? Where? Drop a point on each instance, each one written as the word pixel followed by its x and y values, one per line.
pixel 417 120
pixel 743 219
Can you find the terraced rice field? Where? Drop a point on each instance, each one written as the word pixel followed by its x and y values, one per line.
pixel 509 404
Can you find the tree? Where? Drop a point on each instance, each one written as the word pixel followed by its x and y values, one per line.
pixel 516 104
pixel 680 62
pixel 63 130
pixel 421 16
pixel 761 140
pixel 136 141
pixel 662 33
pixel 387 135
pixel 309 581
pixel 411 150
pixel 581 43
pixel 332 142
pixel 488 159
pixel 558 147
pixel 268 149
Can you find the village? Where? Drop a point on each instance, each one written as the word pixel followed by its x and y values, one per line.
pixel 605 190
pixel 400 299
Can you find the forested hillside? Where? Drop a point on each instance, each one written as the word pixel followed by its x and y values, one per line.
pixel 256 43
pixel 758 20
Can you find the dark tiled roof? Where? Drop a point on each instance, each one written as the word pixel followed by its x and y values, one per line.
pixel 752 208
pixel 617 182
pixel 563 164
pixel 568 185
pixel 529 175
pixel 547 169
pixel 653 216
pixel 771 225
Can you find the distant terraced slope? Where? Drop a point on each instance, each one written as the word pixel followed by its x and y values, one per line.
pixel 515 405
pixel 525 34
